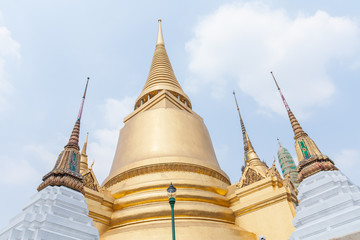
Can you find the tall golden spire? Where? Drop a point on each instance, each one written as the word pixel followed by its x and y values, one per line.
pixel 311 160
pixel 251 158
pixel 294 123
pixel 249 152
pixel 66 171
pixel 161 75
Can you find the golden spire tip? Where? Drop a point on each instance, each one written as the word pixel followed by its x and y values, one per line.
pixel 160 39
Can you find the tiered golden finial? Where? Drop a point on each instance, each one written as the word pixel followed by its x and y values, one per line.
pixel 161 76
pixel 311 160
pixel 87 172
pixel 84 156
pixel 253 164
pixel 66 171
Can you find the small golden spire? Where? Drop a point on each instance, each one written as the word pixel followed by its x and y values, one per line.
pixel 83 151
pixel 160 38
pixel 84 157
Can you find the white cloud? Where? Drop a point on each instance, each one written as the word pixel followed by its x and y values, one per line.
pixel 242 42
pixel 102 143
pixel 8 48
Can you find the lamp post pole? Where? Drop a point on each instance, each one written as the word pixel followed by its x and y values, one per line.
pixel 172 193
pixel 172 203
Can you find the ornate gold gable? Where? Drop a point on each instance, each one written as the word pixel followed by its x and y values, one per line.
pixel 250 176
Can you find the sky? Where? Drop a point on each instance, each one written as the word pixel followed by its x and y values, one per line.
pixel 49 48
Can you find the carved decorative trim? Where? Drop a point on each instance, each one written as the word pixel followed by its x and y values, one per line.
pixel 314 164
pixel 250 177
pixel 166 167
pixel 63 180
pixel 90 182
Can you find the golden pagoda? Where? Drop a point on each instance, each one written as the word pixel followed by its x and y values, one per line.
pixel 163 140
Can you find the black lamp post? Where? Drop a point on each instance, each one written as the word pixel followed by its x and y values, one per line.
pixel 172 193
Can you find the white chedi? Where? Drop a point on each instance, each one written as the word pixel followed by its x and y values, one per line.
pixel 329 207
pixel 54 213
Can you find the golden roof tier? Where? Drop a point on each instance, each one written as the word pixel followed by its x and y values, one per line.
pixel 311 160
pixel 161 76
pixel 66 171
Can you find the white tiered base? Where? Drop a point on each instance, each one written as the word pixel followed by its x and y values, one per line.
pixel 54 213
pixel 329 207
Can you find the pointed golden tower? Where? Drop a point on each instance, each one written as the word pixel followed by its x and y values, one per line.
pixel 66 171
pixel 311 160
pixel 255 169
pixel 161 76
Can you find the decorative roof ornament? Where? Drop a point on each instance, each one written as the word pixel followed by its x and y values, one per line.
pixel 66 171
pixel 273 172
pixel 161 76
pixel 311 160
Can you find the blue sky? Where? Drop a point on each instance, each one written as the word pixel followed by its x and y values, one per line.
pixel 49 48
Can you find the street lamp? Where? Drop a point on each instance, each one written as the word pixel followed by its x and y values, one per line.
pixel 172 193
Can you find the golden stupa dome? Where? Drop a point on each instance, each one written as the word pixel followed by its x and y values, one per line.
pixel 164 140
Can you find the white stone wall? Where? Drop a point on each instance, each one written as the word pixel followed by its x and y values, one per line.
pixel 329 207
pixel 55 213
